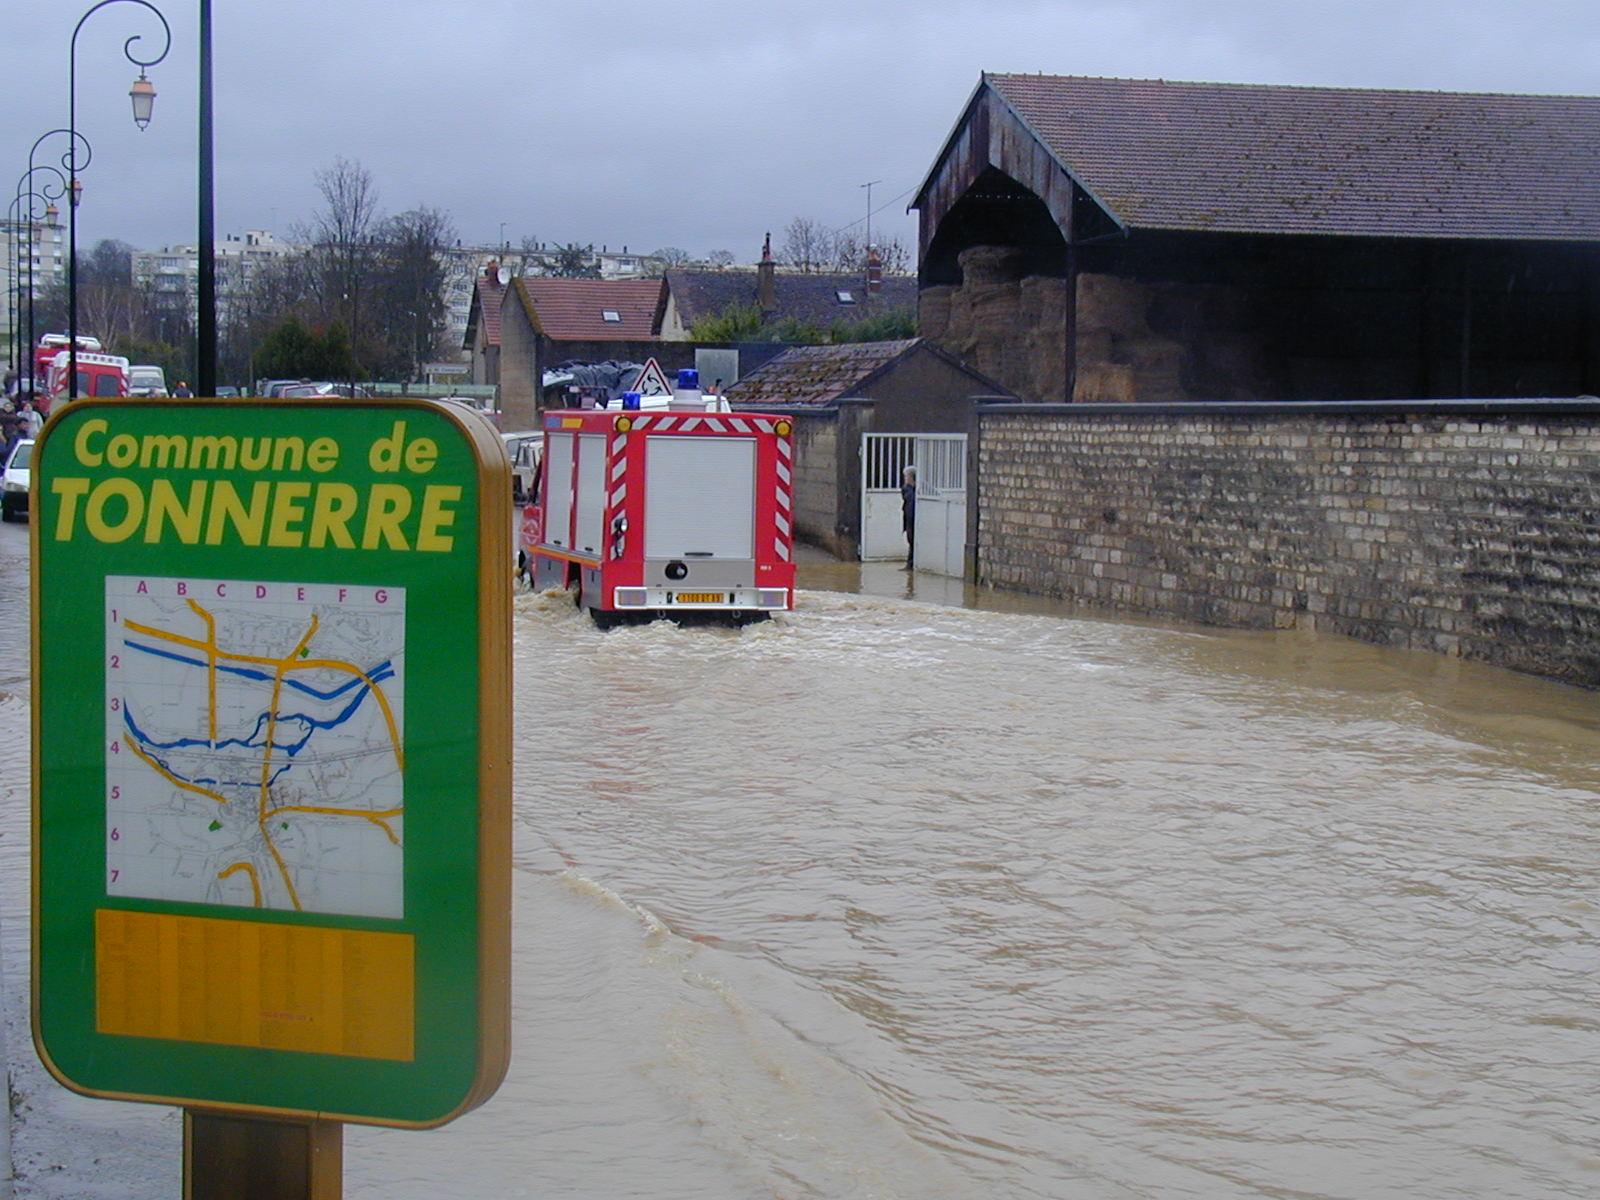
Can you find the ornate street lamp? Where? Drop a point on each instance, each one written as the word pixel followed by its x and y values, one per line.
pixel 143 104
pixel 28 219
pixel 80 143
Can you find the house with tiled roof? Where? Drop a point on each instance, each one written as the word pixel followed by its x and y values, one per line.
pixel 482 337
pixel 1148 240
pixel 836 396
pixel 820 299
pixel 546 320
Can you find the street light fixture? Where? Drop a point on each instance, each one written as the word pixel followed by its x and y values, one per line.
pixel 143 94
pixel 144 97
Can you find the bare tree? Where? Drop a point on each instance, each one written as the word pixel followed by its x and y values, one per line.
pixel 721 258
pixel 896 258
pixel 807 245
pixel 671 256
pixel 408 307
pixel 106 301
pixel 339 240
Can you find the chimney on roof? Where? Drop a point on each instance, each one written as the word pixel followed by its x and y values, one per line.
pixel 874 271
pixel 491 270
pixel 766 281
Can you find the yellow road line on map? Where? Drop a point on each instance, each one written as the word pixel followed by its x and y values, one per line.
pixel 377 694
pixel 211 671
pixel 171 778
pixel 266 758
pixel 283 664
pixel 255 884
pixel 281 667
pixel 378 818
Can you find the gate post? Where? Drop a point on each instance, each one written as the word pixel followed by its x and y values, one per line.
pixel 969 565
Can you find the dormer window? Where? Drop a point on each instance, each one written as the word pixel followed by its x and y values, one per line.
pixel 846 297
pixel 611 314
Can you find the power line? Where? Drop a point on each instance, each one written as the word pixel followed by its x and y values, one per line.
pixel 874 212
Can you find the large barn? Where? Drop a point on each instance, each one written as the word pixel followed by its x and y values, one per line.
pixel 1140 240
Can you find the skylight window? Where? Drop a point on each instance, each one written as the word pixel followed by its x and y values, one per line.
pixel 611 314
pixel 846 297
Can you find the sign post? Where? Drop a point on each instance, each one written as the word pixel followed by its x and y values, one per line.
pixel 271 755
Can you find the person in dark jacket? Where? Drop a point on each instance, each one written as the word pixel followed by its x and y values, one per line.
pixel 908 514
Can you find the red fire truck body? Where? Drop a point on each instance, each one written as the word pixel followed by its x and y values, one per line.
pixel 666 512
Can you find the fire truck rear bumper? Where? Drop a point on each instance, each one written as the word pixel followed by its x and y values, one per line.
pixel 730 599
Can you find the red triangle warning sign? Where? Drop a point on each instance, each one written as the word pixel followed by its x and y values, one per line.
pixel 652 381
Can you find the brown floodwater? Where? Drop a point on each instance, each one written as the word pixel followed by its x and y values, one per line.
pixel 897 897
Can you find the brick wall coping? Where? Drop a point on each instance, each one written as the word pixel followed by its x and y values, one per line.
pixel 1587 406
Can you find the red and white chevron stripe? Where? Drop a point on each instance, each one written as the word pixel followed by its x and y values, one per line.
pixel 784 518
pixel 616 483
pixel 689 422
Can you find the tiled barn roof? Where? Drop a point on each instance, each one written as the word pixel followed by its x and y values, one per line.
pixel 1249 158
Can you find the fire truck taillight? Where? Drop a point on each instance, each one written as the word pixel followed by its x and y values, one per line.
pixel 619 535
pixel 624 424
pixel 782 428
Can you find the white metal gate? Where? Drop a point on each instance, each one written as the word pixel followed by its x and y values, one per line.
pixel 883 457
pixel 941 462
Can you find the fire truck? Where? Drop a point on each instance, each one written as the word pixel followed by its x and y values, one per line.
pixel 50 345
pixel 674 510
pixel 98 375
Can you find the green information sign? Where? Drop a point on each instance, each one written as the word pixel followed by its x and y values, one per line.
pixel 271 756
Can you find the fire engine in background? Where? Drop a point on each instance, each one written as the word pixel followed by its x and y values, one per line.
pixel 676 509
pixel 98 375
pixel 50 345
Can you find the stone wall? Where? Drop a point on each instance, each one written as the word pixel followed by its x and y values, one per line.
pixel 816 490
pixel 1465 529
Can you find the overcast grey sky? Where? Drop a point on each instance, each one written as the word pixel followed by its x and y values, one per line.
pixel 700 123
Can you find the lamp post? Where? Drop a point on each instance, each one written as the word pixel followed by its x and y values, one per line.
pixel 143 96
pixel 206 300
pixel 78 141
pixel 15 220
pixel 46 196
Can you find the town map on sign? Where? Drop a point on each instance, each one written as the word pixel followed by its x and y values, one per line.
pixel 255 747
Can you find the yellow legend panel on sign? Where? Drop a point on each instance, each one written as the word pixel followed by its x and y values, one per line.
pixel 245 983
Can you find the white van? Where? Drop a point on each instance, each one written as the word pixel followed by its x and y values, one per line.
pixel 147 380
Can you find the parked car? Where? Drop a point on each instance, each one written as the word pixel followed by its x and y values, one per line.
pixel 14 484
pixel 147 380
pixel 226 391
pixel 524 449
pixel 324 389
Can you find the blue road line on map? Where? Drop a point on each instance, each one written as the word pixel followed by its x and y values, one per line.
pixel 252 673
pixel 378 674
pixel 312 724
